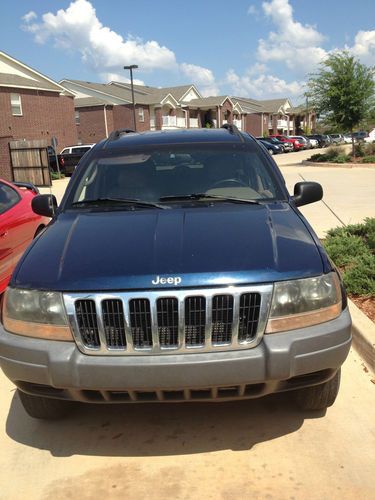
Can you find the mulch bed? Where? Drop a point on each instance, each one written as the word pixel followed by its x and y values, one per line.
pixel 366 304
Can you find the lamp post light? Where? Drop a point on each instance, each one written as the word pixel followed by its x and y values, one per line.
pixel 130 68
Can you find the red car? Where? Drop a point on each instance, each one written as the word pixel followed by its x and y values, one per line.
pixel 18 225
pixel 296 144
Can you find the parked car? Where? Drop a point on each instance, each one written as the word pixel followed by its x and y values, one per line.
pixel 347 139
pixel 314 142
pixel 162 280
pixel 285 146
pixel 285 138
pixel 302 140
pixel 79 149
pixel 68 158
pixel 272 148
pixel 18 225
pixel 323 140
pixel 336 138
pixel 360 136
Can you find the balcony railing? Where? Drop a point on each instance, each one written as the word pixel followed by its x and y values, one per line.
pixel 181 122
pixel 193 122
pixel 169 121
pixel 238 123
pixel 282 123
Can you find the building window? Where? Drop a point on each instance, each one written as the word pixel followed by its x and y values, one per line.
pixel 15 102
pixel 141 114
pixel 77 117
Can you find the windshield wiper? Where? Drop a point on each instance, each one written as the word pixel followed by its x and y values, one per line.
pixel 201 196
pixel 118 201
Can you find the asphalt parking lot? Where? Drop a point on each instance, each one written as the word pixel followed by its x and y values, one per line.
pixel 251 449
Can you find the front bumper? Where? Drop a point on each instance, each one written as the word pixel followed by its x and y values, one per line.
pixel 282 361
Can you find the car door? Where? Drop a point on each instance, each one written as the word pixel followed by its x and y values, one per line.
pixel 9 200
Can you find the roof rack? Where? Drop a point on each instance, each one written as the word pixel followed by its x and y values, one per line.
pixel 117 133
pixel 233 130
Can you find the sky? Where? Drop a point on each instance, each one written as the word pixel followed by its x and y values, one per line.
pixel 258 49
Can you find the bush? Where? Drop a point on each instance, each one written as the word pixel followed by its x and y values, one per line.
pixel 334 151
pixel 359 150
pixel 368 159
pixel 55 176
pixel 352 248
pixel 318 157
pixel 370 149
pixel 343 158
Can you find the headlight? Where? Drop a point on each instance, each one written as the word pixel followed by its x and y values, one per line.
pixel 35 314
pixel 305 302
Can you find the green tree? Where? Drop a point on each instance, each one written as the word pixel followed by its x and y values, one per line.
pixel 342 91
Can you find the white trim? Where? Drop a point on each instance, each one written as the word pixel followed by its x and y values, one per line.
pixel 196 90
pixel 18 103
pixel 16 86
pixel 40 75
pixel 162 102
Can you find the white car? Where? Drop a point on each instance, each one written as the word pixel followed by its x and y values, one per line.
pixel 347 139
pixel 78 149
pixel 314 142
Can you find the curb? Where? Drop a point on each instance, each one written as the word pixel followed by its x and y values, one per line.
pixel 363 330
pixel 337 165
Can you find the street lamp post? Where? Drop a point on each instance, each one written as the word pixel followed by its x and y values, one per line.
pixel 130 68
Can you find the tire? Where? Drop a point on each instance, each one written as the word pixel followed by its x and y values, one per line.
pixel 319 397
pixel 44 408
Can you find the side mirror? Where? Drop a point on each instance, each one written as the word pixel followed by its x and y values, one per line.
pixel 44 204
pixel 307 192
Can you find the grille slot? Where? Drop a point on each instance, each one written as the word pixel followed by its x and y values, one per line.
pixel 222 319
pixel 195 320
pixel 167 313
pixel 140 322
pixel 249 316
pixel 169 321
pixel 87 323
pixel 114 324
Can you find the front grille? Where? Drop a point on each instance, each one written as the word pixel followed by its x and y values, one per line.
pixel 166 322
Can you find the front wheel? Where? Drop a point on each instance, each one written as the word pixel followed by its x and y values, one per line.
pixel 45 408
pixel 319 397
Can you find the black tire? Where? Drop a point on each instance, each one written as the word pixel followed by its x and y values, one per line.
pixel 319 397
pixel 45 408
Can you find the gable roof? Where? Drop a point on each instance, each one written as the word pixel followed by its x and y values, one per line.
pixel 14 73
pixel 204 102
pixel 83 102
pixel 273 105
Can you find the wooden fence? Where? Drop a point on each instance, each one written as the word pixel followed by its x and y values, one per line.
pixel 29 161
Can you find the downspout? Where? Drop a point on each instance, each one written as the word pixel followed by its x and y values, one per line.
pixel 218 125
pixel 105 121
pixel 262 122
pixel 186 119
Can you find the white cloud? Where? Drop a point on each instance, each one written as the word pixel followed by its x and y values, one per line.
pixel 297 45
pixel 78 29
pixel 202 77
pixel 364 47
pixel 29 16
pixel 262 86
pixel 118 77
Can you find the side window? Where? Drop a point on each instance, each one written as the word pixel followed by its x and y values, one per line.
pixel 8 198
pixel 15 102
pixel 65 151
pixel 77 117
pixel 141 114
pixel 80 150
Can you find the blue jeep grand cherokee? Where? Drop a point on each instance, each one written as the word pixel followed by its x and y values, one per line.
pixel 177 268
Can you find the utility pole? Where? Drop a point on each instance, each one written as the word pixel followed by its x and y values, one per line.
pixel 130 68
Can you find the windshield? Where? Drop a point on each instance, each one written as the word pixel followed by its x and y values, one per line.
pixel 154 174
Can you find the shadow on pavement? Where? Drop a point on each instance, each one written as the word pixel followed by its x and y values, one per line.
pixel 159 429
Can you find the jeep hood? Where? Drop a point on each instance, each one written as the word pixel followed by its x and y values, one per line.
pixel 204 246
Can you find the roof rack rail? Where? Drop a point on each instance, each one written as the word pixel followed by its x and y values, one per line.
pixel 233 130
pixel 116 133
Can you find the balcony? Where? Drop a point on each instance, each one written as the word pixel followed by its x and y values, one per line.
pixel 238 124
pixel 181 122
pixel 169 121
pixel 282 124
pixel 193 123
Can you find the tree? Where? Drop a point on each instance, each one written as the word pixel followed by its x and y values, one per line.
pixel 342 91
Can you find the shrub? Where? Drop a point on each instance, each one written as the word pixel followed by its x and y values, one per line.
pixel 334 151
pixel 318 157
pixel 345 248
pixel 359 150
pixel 55 176
pixel 370 149
pixel 368 159
pixel 343 158
pixel 359 278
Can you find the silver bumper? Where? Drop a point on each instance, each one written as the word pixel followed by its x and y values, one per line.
pixel 278 363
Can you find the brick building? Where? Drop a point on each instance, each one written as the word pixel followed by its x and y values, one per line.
pixel 32 106
pixel 101 108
